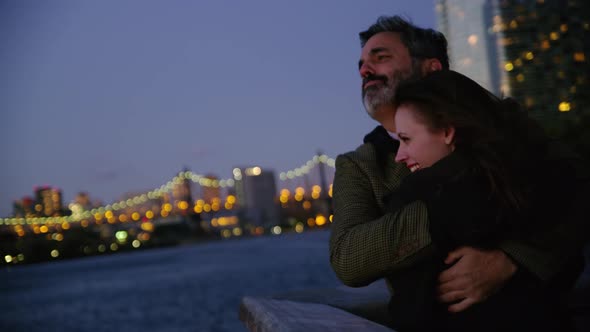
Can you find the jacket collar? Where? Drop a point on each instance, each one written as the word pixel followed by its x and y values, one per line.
pixel 386 148
pixel 380 138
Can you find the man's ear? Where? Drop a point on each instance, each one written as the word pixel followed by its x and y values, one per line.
pixel 450 135
pixel 431 65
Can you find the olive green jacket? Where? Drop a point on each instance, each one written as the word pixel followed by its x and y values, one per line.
pixel 367 243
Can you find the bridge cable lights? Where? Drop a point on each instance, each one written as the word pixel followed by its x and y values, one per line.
pixel 157 193
pixel 305 168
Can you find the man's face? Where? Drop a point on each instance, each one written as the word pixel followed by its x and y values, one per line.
pixel 385 62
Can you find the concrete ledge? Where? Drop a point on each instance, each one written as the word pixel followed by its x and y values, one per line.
pixel 272 315
pixel 327 309
pixel 369 302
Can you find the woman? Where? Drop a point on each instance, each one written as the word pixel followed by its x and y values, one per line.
pixel 475 163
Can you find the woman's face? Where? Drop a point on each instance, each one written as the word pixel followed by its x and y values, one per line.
pixel 420 147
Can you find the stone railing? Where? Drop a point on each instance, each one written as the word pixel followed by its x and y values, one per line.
pixel 327 310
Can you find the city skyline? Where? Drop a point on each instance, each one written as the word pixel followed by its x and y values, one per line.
pixel 203 187
pixel 115 97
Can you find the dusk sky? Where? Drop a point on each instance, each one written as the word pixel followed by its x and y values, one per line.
pixel 110 97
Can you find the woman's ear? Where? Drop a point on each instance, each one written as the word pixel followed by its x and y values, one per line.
pixel 430 65
pixel 450 135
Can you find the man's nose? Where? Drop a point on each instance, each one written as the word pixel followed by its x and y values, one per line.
pixel 366 69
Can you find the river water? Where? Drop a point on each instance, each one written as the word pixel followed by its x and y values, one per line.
pixel 194 287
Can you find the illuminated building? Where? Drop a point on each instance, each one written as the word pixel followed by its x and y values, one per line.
pixel 472 43
pixel 547 54
pixel 535 51
pixel 48 201
pixel 43 201
pixel 256 192
pixel 57 201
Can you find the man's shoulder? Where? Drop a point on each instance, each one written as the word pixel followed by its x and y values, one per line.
pixel 369 149
pixel 366 152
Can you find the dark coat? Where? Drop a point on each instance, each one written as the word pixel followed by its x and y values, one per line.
pixel 464 211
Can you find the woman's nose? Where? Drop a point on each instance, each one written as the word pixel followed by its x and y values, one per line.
pixel 400 156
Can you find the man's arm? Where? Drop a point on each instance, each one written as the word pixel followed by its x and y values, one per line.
pixel 475 276
pixel 366 245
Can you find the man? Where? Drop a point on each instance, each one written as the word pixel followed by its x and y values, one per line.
pixel 367 243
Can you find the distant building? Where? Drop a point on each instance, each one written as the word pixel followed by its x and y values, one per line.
pixel 256 194
pixel 533 50
pixel 547 47
pixel 48 201
pixel 24 208
pixel 473 49
pixel 83 200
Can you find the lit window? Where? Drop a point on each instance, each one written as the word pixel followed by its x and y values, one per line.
pixel 554 35
pixel 508 66
pixel 472 40
pixel 513 24
pixel 579 57
pixel 520 77
pixel 563 28
pixel 564 106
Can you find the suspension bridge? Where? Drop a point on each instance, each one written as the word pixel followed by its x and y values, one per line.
pixel 154 205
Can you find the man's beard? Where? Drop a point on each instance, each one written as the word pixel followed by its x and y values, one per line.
pixel 374 97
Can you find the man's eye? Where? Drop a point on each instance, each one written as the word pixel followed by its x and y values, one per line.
pixel 382 57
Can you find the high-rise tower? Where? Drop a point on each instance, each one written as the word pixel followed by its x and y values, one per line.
pixel 473 46
pixel 533 50
pixel 256 192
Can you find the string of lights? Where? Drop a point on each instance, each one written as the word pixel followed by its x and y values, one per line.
pixel 79 214
pixel 305 168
